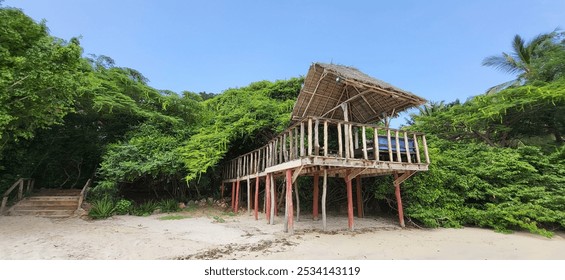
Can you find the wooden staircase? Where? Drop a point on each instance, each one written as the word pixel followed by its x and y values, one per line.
pixel 54 203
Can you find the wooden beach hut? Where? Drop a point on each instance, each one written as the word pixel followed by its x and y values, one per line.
pixel 333 134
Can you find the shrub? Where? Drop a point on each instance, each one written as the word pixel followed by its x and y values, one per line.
pixel 102 208
pixel 123 206
pixel 145 209
pixel 169 205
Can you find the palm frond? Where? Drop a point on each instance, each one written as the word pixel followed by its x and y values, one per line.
pixel 504 86
pixel 505 63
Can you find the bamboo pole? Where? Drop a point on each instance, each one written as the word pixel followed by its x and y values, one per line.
pixel 418 160
pixel 315 196
pixel 316 138
pixel 268 198
pixel 425 149
pixel 324 196
pixel 310 146
pixel 256 204
pixel 302 151
pixel 359 198
pixel 398 200
pixel 339 141
pixel 349 200
pixel 364 140
pixel 398 155
pixel 273 208
pixel 407 147
pixel 289 207
pixel 326 148
pixel 236 196
pixel 376 144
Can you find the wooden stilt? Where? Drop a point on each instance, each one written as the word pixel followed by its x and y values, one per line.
pixel 248 196
pixel 297 202
pixel 324 192
pixel 233 196
pixel 275 197
pixel 359 198
pixel 290 216
pixel 349 200
pixel 273 201
pixel 398 200
pixel 315 198
pixel 268 198
pixel 256 204
pixel 236 196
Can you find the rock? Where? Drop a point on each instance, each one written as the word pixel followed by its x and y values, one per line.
pixel 182 205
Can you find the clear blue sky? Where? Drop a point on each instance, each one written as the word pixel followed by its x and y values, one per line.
pixel 431 48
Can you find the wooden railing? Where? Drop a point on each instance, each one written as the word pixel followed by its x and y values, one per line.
pixel 84 193
pixel 336 139
pixel 25 185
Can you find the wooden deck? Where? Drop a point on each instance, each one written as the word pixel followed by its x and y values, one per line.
pixel 330 148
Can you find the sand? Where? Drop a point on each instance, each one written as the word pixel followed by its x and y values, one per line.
pixel 213 234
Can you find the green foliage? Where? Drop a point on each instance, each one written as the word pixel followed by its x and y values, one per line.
pixel 123 207
pixel 218 219
pixel 169 206
pixel 102 208
pixel 173 217
pixel 145 209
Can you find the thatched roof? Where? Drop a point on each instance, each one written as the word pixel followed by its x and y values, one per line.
pixel 327 86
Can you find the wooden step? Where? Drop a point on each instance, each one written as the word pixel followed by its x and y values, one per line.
pixel 57 192
pixel 53 198
pixel 44 207
pixel 40 203
pixel 43 213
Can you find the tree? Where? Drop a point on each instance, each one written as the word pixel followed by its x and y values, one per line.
pixel 521 61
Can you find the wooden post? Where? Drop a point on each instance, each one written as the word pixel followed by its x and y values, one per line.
pixel 296 152
pixel 398 200
pixel 316 138
pixel 273 200
pixel 236 196
pixel 268 197
pixel 356 138
pixel 425 149
pixel 376 144
pixel 310 146
pixel 289 207
pixel 359 198
pixel 407 147
pixel 389 145
pixel 398 156
pixel 315 197
pixel 21 190
pixel 326 148
pixel 256 204
pixel 302 151
pixel 349 200
pixel 339 141
pixel 347 143
pixel 364 140
pixel 417 149
pixel 351 150
pixel 291 143
pixel 297 202
pixel 324 192
pixel 275 196
pixel 233 196
pixel 248 195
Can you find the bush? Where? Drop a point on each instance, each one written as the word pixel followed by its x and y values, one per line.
pixel 169 205
pixel 102 208
pixel 145 209
pixel 123 206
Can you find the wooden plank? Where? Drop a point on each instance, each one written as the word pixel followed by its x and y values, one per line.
pixel 407 147
pixel 398 201
pixel 339 141
pixel 289 206
pixel 326 148
pixel 310 146
pixel 398 155
pixel 364 140
pixel 324 196
pixel 417 149
pixel 425 148
pixel 315 195
pixel 316 138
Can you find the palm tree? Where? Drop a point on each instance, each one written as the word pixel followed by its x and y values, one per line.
pixel 520 60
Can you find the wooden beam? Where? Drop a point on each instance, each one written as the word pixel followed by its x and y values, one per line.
pixel 407 147
pixel 289 213
pixel 376 149
pixel 425 148
pixel 389 145
pixel 302 151
pixel 310 146
pixel 316 138
pixel 315 90
pixel 403 177
pixel 417 149
pixel 364 140
pixel 398 155
pixel 339 141
pixel 326 148
pixel 347 101
pixel 297 173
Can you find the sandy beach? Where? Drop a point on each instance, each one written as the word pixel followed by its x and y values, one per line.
pixel 212 234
